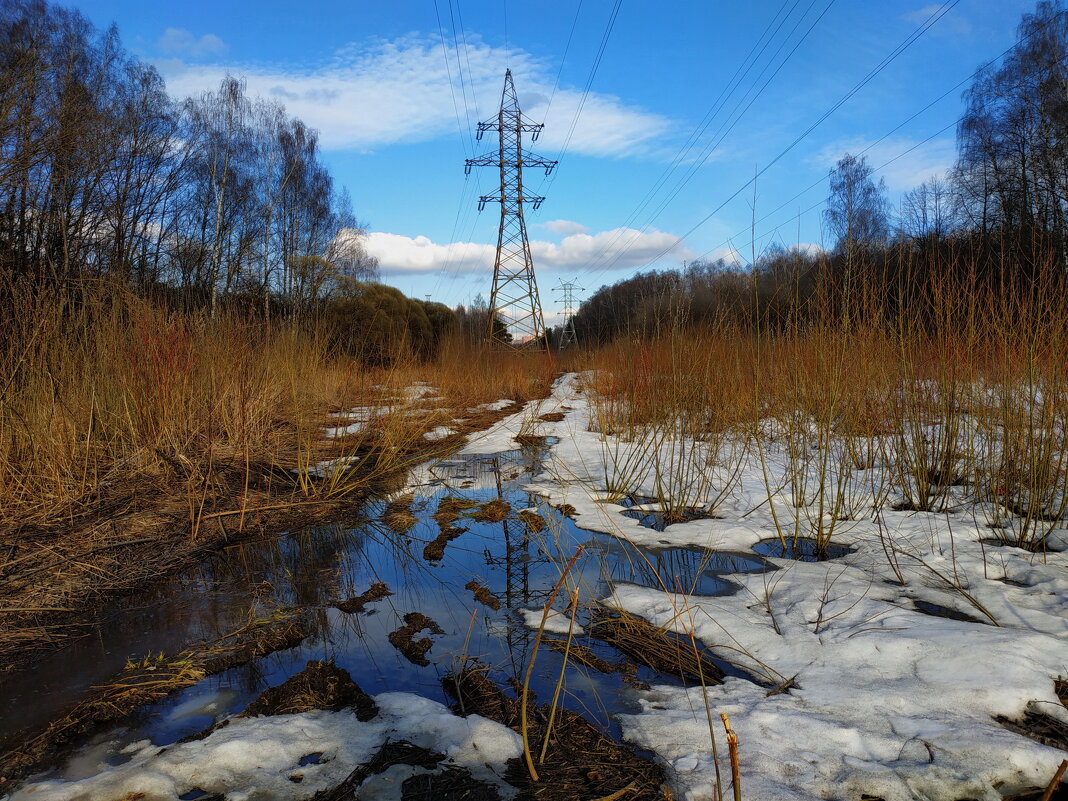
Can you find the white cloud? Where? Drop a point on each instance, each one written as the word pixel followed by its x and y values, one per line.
pixel 565 227
pixel 951 23
pixel 911 163
pixel 180 42
pixel 619 248
pixel 385 92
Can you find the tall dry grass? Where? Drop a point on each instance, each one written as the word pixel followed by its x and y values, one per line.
pixel 955 387
pixel 100 388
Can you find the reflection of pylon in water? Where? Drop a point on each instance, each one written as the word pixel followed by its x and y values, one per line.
pixel 517 561
pixel 515 309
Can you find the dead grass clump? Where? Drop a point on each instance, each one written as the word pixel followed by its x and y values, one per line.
pixel 353 606
pixel 656 648
pixel 493 511
pixel 552 417
pixel 403 639
pixel 321 685
pixel 147 681
pixel 534 521
pixel 450 509
pixel 483 595
pixel 398 514
pixel 581 762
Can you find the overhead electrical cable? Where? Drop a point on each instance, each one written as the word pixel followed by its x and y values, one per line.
pixel 887 60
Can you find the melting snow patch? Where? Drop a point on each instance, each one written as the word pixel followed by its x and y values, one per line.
pixel 556 623
pixel 260 758
pixel 441 432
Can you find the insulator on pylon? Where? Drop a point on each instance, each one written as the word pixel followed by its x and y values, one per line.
pixel 481 204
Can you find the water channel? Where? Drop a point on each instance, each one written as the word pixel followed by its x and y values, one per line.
pixel 318 567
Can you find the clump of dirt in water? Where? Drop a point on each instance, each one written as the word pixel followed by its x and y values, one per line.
pixel 398 514
pixel 493 511
pixel 356 605
pixel 450 784
pixel 321 685
pixel 576 652
pixel 435 549
pixel 483 595
pixel 581 762
pixel 535 522
pixel 530 439
pixel 403 639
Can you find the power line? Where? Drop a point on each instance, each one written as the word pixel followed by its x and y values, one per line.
pixel 710 115
pixel 978 71
pixel 887 60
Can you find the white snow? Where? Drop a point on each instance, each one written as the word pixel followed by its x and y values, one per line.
pixel 556 623
pixel 258 758
pixel 440 432
pixel 889 702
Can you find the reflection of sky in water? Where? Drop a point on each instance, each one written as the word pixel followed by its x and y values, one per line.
pixel 316 567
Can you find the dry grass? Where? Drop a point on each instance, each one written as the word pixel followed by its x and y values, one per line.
pixel 960 391
pixel 148 680
pixel 134 438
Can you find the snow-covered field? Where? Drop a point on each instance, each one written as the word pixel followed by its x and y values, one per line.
pixel 886 701
pixel 861 685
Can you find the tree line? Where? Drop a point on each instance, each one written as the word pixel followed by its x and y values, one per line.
pixel 997 220
pixel 217 200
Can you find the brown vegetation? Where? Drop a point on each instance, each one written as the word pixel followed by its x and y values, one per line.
pixel 147 681
pixel 580 762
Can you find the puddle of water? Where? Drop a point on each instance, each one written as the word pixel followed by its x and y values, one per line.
pixel 318 567
pixel 649 513
pixel 695 571
pixel 801 549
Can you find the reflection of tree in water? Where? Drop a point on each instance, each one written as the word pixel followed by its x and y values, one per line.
pixel 482 472
pixel 302 568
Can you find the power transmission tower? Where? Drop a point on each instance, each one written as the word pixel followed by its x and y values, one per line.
pixel 569 288
pixel 515 316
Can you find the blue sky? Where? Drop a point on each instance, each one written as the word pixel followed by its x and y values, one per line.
pixel 395 89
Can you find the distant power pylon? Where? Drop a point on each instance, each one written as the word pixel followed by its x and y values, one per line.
pixel 515 308
pixel 569 288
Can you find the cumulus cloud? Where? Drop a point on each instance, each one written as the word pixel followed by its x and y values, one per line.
pixel 619 248
pixel 379 93
pixel 565 227
pixel 180 42
pixel 910 163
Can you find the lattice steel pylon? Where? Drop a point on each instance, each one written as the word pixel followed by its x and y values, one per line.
pixel 515 317
pixel 569 288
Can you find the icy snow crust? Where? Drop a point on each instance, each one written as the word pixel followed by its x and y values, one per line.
pixel 888 701
pixel 259 758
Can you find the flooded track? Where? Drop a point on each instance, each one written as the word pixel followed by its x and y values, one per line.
pixel 511 551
